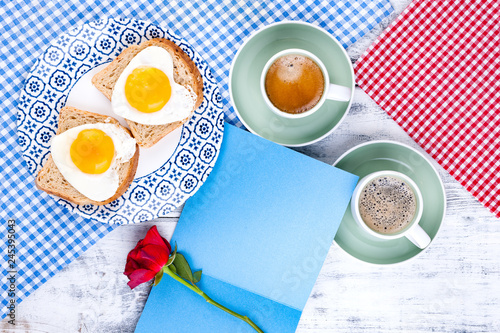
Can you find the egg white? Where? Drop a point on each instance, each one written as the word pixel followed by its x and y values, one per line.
pixel 97 187
pixel 180 104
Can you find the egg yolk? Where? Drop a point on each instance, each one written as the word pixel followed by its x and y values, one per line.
pixel 147 89
pixel 92 151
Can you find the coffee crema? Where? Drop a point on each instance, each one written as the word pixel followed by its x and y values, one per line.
pixel 294 83
pixel 387 205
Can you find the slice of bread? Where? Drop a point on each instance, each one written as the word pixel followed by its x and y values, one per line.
pixel 185 73
pixel 51 180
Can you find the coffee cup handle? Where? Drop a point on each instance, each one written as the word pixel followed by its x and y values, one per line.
pixel 338 93
pixel 418 236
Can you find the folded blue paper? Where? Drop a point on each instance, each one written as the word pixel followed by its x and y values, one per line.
pixel 260 228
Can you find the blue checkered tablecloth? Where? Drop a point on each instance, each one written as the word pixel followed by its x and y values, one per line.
pixel 48 237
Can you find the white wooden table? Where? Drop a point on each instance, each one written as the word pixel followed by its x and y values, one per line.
pixel 453 287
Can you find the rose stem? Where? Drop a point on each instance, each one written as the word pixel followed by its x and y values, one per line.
pixel 197 290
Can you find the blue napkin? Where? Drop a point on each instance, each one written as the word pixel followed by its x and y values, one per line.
pixel 260 228
pixel 48 238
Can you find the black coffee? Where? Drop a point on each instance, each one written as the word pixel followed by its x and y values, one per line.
pixel 387 205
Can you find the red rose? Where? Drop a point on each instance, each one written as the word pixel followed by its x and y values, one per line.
pixel 147 258
pixel 151 255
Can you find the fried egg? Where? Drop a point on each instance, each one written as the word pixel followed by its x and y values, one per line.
pixel 146 91
pixel 89 156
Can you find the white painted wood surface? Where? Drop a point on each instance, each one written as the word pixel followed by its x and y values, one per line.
pixel 453 287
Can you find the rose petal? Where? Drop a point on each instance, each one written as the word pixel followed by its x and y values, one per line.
pixel 153 237
pixel 133 254
pixel 140 276
pixel 147 258
pixel 152 257
pixel 131 266
pixel 167 244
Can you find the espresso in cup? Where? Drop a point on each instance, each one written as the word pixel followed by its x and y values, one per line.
pixel 294 83
pixel 387 205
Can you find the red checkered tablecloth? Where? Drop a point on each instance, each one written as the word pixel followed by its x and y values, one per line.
pixel 436 72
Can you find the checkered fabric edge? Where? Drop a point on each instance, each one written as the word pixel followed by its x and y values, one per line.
pixel 436 71
pixel 48 238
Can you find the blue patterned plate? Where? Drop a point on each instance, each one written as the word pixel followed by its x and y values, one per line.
pixel 168 173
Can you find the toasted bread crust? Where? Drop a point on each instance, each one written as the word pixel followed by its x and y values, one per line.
pixel 50 179
pixel 70 117
pixel 185 73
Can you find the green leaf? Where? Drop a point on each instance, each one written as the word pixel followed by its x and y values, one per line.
pixel 197 276
pixel 171 267
pixel 172 256
pixel 158 277
pixel 182 267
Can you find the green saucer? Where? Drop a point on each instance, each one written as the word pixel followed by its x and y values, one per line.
pixel 244 85
pixel 388 155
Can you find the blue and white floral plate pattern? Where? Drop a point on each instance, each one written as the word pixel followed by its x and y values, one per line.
pixel 47 88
